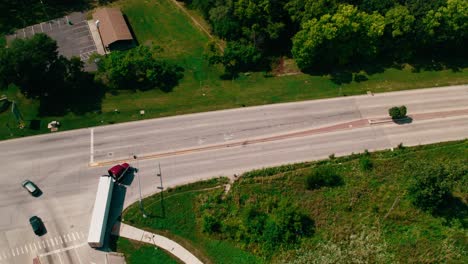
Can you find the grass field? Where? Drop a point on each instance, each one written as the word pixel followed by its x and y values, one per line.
pixel 162 23
pixel 178 221
pixel 369 218
pixel 137 253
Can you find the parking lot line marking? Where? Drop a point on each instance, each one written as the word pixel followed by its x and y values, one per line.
pixel 73 235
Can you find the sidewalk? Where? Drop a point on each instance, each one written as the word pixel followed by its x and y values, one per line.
pixel 165 243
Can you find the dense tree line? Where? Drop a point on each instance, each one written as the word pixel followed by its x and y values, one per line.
pixel 326 33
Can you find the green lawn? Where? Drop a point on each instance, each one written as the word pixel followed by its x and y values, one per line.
pixel 162 23
pixel 368 218
pixel 138 253
pixel 178 222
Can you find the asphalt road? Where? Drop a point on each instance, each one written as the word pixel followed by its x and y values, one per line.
pixel 193 147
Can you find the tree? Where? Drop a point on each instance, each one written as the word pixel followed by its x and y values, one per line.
pixel 397 112
pixel 321 177
pixel 337 39
pixel 237 57
pixel 448 23
pixel 429 186
pixel 138 69
pixel 399 21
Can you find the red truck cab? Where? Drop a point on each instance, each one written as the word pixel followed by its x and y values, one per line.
pixel 118 171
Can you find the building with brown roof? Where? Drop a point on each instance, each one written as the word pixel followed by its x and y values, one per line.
pixel 113 29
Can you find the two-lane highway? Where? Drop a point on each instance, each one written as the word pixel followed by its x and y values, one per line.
pixel 230 141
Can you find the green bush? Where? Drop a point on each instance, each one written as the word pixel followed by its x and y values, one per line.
pixel 397 112
pixel 429 187
pixel 366 163
pixel 323 176
pixel 210 224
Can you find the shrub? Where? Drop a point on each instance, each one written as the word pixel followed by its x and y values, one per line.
pixel 397 112
pixel 210 224
pixel 323 176
pixel 366 163
pixel 429 187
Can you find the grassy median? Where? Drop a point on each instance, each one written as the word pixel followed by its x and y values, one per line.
pixel 162 23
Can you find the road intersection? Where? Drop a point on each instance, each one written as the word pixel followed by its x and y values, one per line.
pixel 61 164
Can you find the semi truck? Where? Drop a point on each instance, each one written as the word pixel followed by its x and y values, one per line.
pixel 97 227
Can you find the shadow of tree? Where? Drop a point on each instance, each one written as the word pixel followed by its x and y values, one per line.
pixel 452 209
pixel 403 121
pixel 85 97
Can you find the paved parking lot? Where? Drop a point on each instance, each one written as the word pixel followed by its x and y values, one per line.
pixel 71 32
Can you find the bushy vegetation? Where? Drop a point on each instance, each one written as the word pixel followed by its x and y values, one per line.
pixel 397 112
pixel 138 68
pixel 323 176
pixel 432 184
pixel 371 219
pixel 322 35
pixel 260 225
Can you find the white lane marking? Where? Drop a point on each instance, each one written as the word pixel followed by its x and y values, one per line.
pixel 91 158
pixel 79 259
pixel 60 258
pixel 73 235
pixel 61 250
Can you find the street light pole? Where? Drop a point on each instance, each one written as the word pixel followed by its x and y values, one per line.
pixel 139 187
pixel 161 188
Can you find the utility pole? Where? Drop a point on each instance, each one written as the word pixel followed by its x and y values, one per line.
pixel 139 187
pixel 163 210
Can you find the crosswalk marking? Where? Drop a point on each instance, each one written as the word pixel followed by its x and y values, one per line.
pixel 52 242
pixel 69 237
pixel 25 248
pixel 35 248
pixel 17 251
pixel 56 240
pixel 39 243
pixel 73 235
pixel 13 252
pixel 44 243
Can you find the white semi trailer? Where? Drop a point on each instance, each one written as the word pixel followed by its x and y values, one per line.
pixel 97 227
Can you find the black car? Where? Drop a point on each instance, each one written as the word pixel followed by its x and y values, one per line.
pixel 31 188
pixel 37 225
